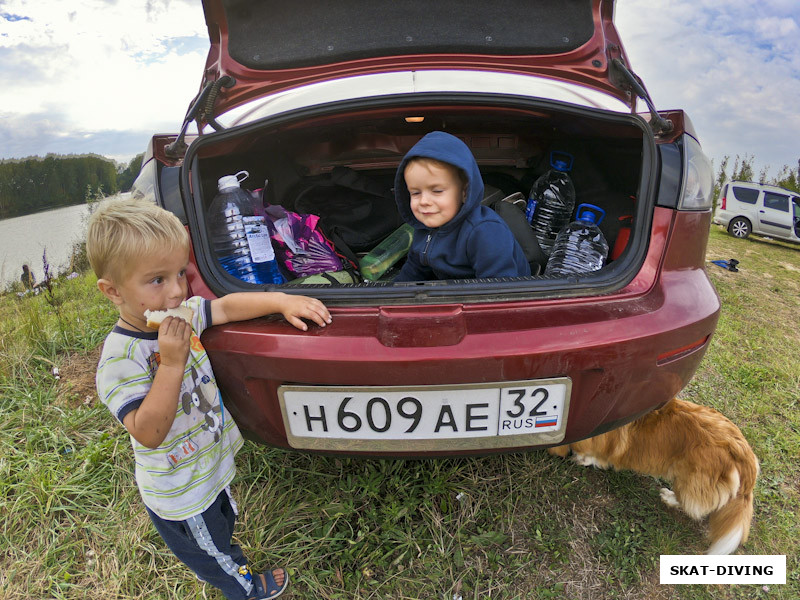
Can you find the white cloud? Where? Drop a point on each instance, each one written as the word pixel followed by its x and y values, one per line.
pixel 776 26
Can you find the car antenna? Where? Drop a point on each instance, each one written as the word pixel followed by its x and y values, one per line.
pixel 203 105
pixel 659 124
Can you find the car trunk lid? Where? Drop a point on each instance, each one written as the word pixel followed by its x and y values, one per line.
pixel 269 46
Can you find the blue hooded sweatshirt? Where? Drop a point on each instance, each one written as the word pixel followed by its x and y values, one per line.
pixel 476 243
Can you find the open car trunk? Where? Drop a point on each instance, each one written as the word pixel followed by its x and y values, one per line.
pixel 511 138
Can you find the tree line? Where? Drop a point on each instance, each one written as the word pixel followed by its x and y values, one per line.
pixel 34 184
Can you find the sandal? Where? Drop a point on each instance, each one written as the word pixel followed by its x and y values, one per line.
pixel 265 587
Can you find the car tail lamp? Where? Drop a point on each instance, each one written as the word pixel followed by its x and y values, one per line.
pixel 145 184
pixel 698 177
pixel 677 353
pixel 724 202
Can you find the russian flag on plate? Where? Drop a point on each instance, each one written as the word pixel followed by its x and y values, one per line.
pixel 547 421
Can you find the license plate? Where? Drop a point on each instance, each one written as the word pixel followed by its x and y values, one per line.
pixel 423 418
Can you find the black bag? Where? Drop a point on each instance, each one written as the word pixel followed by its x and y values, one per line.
pixel 514 217
pixel 356 213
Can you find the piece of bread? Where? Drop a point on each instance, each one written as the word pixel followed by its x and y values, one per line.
pixel 154 317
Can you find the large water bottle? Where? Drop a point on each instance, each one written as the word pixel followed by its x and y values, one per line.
pixel 580 247
pixel 551 201
pixel 239 235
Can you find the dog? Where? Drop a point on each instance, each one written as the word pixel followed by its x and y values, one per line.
pixel 709 462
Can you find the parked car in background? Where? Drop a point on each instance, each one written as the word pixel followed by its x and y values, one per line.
pixel 432 368
pixel 744 207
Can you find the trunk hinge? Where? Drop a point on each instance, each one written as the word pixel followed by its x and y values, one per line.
pixel 625 79
pixel 201 110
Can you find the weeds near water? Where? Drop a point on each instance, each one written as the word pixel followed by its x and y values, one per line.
pixel 68 315
pixel 78 259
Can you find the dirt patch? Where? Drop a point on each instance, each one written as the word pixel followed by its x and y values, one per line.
pixel 76 378
pixel 789 267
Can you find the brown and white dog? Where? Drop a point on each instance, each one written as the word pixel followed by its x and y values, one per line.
pixel 711 466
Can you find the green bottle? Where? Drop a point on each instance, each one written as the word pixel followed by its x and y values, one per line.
pixel 384 255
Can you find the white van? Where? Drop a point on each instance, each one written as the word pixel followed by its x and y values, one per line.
pixel 744 207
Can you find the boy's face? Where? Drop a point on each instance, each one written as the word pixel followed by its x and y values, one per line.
pixel 436 193
pixel 156 282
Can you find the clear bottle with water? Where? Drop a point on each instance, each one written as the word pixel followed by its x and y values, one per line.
pixel 551 201
pixel 239 236
pixel 580 247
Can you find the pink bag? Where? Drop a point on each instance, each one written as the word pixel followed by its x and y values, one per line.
pixel 300 247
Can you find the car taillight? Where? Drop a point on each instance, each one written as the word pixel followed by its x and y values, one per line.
pixel 698 177
pixel 724 202
pixel 145 184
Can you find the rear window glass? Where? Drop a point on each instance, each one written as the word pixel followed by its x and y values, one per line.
pixel 776 201
pixel 746 195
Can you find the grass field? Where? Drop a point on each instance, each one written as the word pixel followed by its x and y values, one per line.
pixel 515 526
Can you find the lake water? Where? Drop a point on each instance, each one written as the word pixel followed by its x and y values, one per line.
pixel 23 240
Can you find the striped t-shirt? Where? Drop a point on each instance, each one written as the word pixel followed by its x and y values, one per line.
pixel 195 462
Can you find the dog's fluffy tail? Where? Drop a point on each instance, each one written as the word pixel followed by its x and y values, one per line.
pixel 729 526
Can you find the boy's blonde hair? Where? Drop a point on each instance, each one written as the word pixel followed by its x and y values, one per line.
pixel 122 231
pixel 427 161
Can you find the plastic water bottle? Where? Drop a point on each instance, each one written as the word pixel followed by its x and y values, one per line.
pixel 239 236
pixel 387 253
pixel 551 201
pixel 580 247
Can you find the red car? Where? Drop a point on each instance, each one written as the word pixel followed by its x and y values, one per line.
pixel 458 366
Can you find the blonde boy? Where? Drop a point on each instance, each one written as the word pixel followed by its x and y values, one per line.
pixel 160 386
pixel 439 192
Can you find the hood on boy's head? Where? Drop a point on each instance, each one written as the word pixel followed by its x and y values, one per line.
pixel 446 148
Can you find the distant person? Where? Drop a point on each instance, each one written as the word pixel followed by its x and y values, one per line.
pixel 159 384
pixel 439 189
pixel 27 278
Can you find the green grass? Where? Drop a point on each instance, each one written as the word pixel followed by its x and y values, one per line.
pixel 527 526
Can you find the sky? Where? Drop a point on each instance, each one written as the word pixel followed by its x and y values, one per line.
pixel 101 76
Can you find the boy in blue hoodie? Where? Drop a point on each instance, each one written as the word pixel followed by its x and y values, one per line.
pixel 439 189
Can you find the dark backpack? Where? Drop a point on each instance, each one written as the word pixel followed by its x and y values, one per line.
pixel 356 212
pixel 514 216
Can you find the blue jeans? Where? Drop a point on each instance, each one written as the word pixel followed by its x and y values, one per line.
pixel 203 543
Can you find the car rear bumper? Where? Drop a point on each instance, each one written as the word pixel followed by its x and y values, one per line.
pixel 722 217
pixel 625 353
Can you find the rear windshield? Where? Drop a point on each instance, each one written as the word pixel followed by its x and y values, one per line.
pixel 746 195
pixel 272 34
